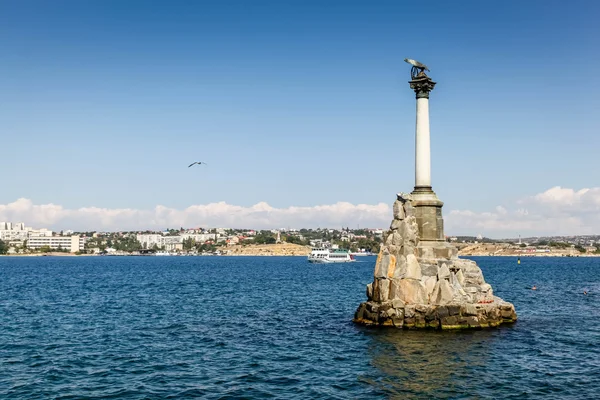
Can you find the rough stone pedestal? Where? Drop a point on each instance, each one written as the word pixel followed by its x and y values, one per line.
pixel 428 212
pixel 419 281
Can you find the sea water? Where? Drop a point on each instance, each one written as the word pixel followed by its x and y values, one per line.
pixel 279 327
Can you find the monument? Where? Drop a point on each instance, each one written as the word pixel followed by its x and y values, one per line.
pixel 419 281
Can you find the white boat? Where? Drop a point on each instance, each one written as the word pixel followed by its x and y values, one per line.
pixel 163 253
pixel 363 253
pixel 324 256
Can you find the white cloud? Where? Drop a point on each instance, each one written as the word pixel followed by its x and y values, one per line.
pixel 557 211
pixel 260 216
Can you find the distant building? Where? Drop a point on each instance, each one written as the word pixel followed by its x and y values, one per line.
pixel 20 232
pixel 71 243
pixel 200 237
pixel 320 243
pixel 172 243
pixel 232 240
pixel 13 235
pixel 148 241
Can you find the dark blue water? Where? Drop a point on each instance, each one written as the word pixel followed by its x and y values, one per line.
pixel 253 327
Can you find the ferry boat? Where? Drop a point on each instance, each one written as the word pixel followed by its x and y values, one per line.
pixel 324 256
pixel 363 253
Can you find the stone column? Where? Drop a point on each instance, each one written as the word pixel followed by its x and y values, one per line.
pixel 419 281
pixel 428 208
pixel 422 148
pixel 422 85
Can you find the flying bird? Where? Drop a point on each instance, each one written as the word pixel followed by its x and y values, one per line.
pixel 197 162
pixel 417 64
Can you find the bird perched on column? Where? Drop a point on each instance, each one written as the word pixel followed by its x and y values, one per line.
pixel 417 64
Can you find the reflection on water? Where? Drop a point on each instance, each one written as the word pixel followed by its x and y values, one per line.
pixel 277 327
pixel 552 352
pixel 428 363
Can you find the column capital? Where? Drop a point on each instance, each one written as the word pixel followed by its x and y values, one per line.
pixel 422 85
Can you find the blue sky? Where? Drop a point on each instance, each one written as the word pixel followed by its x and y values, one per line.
pixel 294 103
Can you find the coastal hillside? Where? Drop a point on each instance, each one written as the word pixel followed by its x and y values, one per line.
pixel 279 249
pixel 506 249
pixel 464 249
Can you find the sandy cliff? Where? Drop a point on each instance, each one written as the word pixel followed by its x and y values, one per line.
pixel 505 249
pixel 280 249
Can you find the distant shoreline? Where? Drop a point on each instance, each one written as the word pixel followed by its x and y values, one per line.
pixel 288 255
pixel 48 255
pixel 532 255
pixel 289 249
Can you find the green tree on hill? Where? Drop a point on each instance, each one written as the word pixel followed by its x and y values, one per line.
pixel 264 237
pixel 128 244
pixel 368 244
pixel 294 240
pixel 3 247
pixel 188 243
pixel 201 247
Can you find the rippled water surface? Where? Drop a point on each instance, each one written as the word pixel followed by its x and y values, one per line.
pixel 277 327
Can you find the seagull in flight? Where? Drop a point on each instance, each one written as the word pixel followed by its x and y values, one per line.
pixel 197 162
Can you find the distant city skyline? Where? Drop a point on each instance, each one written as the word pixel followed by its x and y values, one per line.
pixel 557 211
pixel 302 111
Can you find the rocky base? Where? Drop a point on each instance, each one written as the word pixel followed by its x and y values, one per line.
pixel 421 316
pixel 423 284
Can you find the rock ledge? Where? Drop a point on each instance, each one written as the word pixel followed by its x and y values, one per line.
pixel 423 284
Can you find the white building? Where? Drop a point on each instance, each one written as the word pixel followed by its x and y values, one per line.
pixel 172 243
pixel 19 232
pixel 233 240
pixel 13 235
pixel 200 237
pixel 39 232
pixel 148 241
pixel 9 226
pixel 71 243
